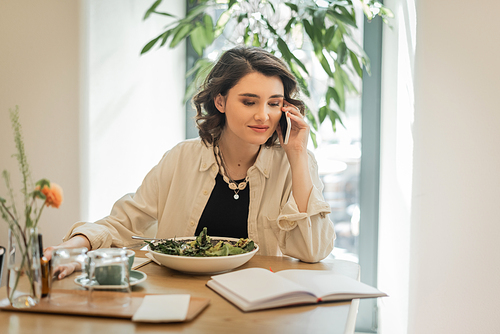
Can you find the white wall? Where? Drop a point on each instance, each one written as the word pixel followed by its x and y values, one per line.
pixel 40 72
pixel 439 215
pixel 455 234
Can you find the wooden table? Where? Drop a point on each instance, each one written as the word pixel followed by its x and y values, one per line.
pixel 219 317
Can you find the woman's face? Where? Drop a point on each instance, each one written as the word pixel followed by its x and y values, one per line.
pixel 252 108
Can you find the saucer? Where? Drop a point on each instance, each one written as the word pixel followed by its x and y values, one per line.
pixel 136 277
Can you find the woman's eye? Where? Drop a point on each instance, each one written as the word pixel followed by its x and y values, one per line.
pixel 274 104
pixel 248 103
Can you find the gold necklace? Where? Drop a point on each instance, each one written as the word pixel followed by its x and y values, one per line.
pixel 232 184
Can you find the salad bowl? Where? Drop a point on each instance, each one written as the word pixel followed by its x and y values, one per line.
pixel 203 265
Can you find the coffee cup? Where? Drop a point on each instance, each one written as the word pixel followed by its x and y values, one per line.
pixel 109 272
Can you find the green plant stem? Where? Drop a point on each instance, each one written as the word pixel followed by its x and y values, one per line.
pixel 6 177
pixel 21 156
pixel 39 214
pixel 11 216
pixel 5 216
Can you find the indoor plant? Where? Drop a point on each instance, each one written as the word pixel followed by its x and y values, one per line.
pixel 23 258
pixel 324 28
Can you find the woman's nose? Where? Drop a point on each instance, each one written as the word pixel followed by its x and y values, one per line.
pixel 262 114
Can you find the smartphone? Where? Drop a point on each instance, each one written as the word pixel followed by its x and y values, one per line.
pixel 285 125
pixel 2 251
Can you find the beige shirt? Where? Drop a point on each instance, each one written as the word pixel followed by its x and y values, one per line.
pixel 174 194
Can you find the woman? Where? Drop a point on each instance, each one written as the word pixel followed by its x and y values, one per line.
pixel 236 179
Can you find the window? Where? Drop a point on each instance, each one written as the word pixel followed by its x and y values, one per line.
pixel 348 161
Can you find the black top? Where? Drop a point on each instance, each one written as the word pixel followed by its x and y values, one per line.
pixel 224 216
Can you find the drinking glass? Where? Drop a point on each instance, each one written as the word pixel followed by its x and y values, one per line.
pixel 62 291
pixel 109 278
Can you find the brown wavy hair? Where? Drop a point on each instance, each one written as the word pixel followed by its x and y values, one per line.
pixel 233 65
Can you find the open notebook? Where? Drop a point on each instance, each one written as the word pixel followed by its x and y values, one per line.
pixel 256 288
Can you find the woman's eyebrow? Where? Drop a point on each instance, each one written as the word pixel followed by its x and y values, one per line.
pixel 257 96
pixel 249 95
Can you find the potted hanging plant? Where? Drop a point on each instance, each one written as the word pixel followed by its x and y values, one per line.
pixel 23 258
pixel 326 29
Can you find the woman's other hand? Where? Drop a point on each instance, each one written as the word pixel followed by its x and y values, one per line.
pixel 78 241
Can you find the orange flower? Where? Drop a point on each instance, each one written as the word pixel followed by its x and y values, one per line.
pixel 54 194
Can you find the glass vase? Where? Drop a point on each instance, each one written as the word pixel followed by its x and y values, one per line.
pixel 24 286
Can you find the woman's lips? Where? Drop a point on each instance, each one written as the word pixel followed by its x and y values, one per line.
pixel 259 128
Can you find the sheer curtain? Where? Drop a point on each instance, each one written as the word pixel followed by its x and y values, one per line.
pixel 396 170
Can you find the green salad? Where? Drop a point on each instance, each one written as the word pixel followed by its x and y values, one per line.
pixel 203 246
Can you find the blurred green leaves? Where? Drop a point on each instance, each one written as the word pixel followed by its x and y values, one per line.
pixel 330 27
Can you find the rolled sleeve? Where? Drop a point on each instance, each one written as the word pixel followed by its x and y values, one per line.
pixel 98 235
pixel 308 236
pixel 290 215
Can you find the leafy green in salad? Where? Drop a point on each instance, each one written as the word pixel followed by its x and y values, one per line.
pixel 203 246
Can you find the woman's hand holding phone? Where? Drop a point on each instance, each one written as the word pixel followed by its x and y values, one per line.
pixel 296 152
pixel 294 129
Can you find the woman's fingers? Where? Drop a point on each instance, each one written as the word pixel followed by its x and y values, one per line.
pixel 292 109
pixel 47 252
pixel 295 115
pixel 64 270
